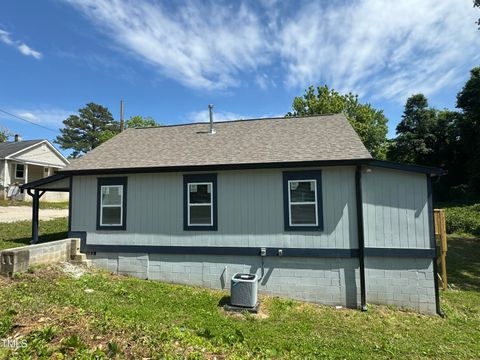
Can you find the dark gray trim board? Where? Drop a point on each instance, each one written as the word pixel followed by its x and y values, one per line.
pixel 211 168
pixel 399 252
pixel 49 179
pixel 70 194
pixel 433 243
pixel 361 236
pixel 407 167
pixel 248 251
pixel 105 181
pixel 249 166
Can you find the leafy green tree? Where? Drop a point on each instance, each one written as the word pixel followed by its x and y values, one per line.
pixel 4 134
pixel 370 124
pixel 93 125
pixel 468 100
pixel 139 121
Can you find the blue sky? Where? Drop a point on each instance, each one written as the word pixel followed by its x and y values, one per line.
pixel 169 59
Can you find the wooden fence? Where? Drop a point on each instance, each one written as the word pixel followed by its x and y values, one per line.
pixel 441 241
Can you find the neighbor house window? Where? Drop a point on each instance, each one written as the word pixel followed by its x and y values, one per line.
pixel 112 203
pixel 303 200
pixel 200 202
pixel 19 171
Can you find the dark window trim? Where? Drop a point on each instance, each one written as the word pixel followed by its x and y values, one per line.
pixel 302 175
pixel 23 171
pixel 105 181
pixel 194 178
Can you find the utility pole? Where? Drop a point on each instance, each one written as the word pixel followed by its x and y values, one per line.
pixel 121 116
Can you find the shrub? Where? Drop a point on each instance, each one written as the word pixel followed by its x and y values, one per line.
pixel 463 219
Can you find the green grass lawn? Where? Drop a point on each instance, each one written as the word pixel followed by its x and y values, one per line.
pixel 20 233
pixel 106 316
pixel 43 204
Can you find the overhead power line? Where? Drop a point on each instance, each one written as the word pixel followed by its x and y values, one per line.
pixel 28 121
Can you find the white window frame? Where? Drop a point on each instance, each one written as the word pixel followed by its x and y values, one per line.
pixel 290 203
pixel 111 206
pixel 202 204
pixel 23 171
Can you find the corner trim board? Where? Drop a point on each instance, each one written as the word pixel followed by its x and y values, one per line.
pixel 433 244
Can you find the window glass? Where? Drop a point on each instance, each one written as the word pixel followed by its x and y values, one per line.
pixel 201 215
pixel 112 215
pixel 111 204
pixel 200 193
pixel 19 171
pixel 112 195
pixel 303 214
pixel 302 191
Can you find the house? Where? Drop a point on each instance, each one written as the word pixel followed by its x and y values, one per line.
pixel 298 199
pixel 25 161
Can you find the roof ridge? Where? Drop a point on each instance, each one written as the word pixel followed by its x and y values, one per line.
pixel 238 120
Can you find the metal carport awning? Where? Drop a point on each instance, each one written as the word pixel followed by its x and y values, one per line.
pixel 37 188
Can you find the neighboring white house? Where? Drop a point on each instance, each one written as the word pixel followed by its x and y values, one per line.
pixel 26 161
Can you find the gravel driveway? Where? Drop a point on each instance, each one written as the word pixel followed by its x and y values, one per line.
pixel 19 213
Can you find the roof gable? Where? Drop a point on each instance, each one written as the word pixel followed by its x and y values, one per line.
pixel 11 147
pixel 242 142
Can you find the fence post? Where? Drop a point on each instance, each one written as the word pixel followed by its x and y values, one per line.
pixel 441 233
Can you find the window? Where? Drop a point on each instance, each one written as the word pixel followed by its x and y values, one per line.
pixel 303 200
pixel 111 203
pixel 19 171
pixel 200 208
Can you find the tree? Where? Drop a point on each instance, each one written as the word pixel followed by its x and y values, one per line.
pixel 476 3
pixel 468 100
pixel 139 121
pixel 370 124
pixel 416 138
pixel 4 134
pixel 93 125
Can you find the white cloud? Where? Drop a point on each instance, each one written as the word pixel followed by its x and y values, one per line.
pixel 44 116
pixel 22 47
pixel 203 116
pixel 200 45
pixel 383 49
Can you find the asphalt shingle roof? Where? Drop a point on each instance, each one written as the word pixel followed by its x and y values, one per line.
pixel 11 147
pixel 278 140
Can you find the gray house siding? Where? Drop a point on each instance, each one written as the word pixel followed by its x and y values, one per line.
pixel 395 213
pixel 395 209
pixel 250 211
pixel 250 214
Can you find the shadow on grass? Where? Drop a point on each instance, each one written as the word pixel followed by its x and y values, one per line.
pixel 19 233
pixel 463 262
pixel 41 239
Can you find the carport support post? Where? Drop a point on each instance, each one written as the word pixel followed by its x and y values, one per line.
pixel 35 208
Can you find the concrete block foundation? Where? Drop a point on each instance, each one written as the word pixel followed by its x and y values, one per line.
pixel 402 282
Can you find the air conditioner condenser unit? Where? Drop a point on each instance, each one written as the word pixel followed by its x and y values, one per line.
pixel 244 289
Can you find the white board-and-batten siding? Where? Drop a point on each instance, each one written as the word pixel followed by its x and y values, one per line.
pixel 250 211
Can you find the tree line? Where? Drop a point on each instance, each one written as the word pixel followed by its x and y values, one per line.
pixel 444 138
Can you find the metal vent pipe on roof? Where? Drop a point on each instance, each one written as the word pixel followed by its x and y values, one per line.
pixel 17 138
pixel 210 111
